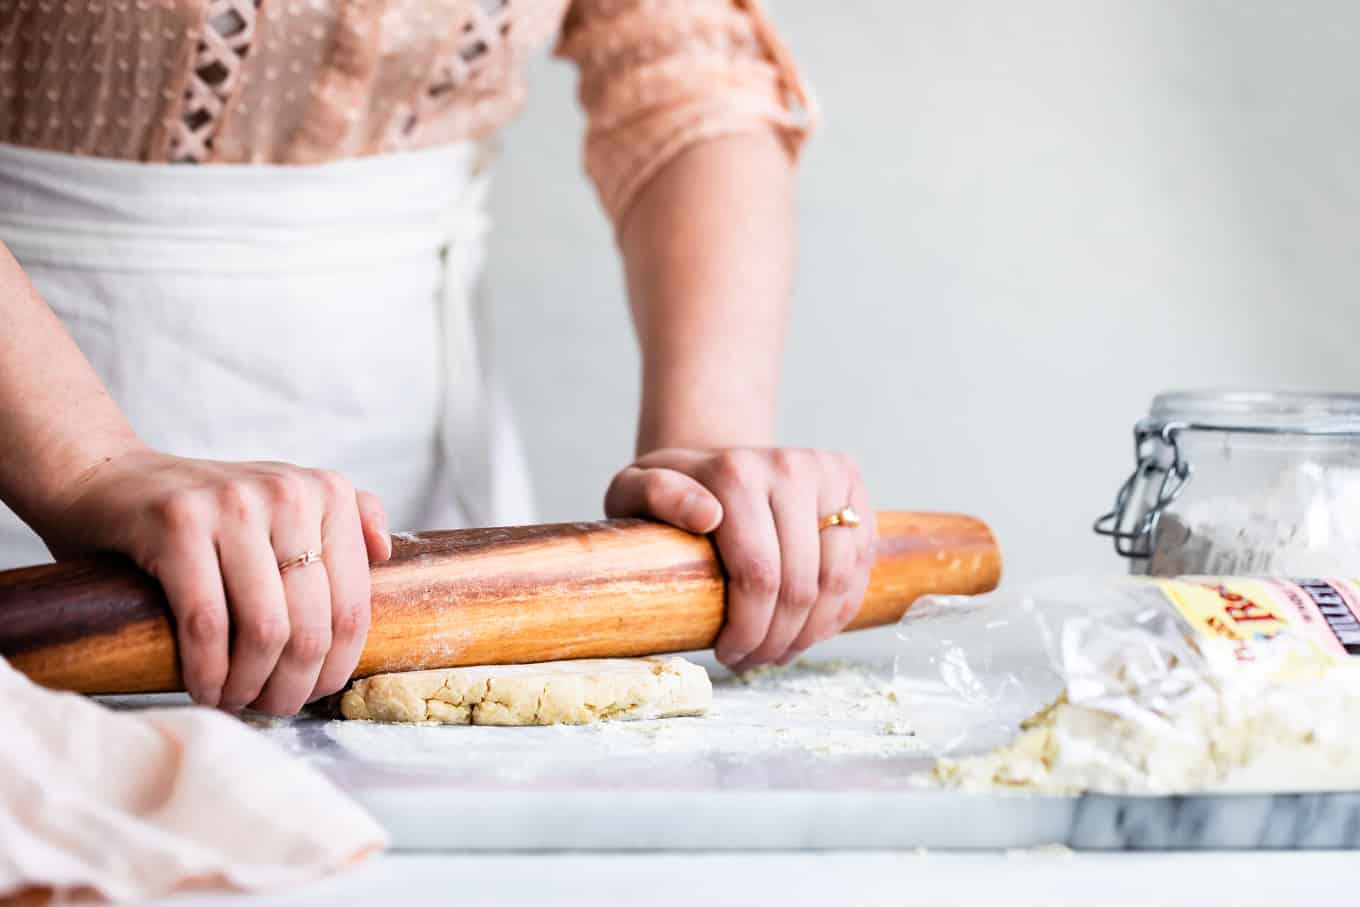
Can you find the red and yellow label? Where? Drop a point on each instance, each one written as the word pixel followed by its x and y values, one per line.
pixel 1303 626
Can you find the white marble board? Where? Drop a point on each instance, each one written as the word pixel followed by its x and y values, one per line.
pixel 812 759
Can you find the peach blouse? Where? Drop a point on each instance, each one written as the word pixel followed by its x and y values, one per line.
pixel 306 81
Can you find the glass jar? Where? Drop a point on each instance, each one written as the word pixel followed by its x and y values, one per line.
pixel 1242 483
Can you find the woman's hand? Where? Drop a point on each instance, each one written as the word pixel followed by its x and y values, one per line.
pixel 214 535
pixel 790 585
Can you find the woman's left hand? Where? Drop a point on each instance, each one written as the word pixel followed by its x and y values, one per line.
pixel 791 584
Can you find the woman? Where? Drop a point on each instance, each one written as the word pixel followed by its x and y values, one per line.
pixel 245 235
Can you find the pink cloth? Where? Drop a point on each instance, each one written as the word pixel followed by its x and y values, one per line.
pixel 129 805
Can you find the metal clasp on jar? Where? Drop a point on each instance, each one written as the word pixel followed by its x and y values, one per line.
pixel 1158 457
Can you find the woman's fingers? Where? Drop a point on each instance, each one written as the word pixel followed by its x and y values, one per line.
pixel 255 596
pixel 749 547
pixel 214 535
pixel 297 504
pixel 794 506
pixel 346 556
pixel 188 572
pixel 790 585
pixel 663 494
pixel 847 555
pixel 373 518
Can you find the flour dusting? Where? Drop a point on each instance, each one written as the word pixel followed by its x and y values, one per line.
pixel 824 710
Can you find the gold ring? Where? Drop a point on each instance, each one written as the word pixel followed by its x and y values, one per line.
pixel 310 556
pixel 846 516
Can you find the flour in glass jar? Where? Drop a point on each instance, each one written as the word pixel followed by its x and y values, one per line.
pixel 1305 524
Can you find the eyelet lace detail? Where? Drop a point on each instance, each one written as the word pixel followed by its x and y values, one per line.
pixel 228 30
pixel 478 46
pixel 311 81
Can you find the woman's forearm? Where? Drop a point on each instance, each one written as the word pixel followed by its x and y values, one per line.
pixel 709 250
pixel 57 420
pixel 709 247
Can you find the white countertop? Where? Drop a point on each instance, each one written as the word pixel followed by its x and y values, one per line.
pixel 862 879
pixel 811 758
pixel 457 776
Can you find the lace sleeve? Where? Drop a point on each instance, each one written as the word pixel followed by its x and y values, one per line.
pixel 657 76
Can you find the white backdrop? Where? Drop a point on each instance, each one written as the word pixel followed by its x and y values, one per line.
pixel 1019 222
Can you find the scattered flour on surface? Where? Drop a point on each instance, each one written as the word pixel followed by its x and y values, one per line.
pixel 1293 737
pixel 812 710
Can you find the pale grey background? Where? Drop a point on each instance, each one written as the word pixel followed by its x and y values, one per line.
pixel 1019 222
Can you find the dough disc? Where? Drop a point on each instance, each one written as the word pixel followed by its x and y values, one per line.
pixel 554 692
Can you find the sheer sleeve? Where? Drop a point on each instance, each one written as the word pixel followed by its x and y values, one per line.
pixel 657 76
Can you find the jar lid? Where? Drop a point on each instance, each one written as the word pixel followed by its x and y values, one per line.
pixel 1256 410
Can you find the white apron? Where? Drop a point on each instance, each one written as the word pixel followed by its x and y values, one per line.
pixel 318 315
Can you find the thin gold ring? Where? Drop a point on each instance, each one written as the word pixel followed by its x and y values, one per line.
pixel 846 516
pixel 310 556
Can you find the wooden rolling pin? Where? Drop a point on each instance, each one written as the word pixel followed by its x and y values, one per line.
pixel 475 596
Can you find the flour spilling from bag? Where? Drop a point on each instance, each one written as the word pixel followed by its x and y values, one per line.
pixel 1139 685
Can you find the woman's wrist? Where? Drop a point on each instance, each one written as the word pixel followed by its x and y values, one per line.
pixel 57 420
pixel 698 418
pixel 65 469
pixel 700 436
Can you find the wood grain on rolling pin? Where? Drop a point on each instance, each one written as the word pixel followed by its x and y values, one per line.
pixel 479 596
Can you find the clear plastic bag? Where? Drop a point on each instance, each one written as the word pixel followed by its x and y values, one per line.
pixel 1130 683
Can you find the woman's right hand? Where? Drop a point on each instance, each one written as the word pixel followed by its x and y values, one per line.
pixel 214 535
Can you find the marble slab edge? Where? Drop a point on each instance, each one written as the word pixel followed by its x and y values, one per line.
pixel 563 820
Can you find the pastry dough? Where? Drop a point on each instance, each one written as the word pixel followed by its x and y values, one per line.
pixel 555 692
